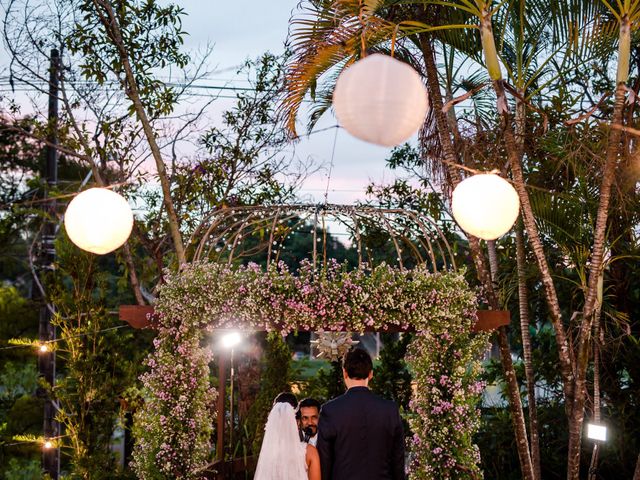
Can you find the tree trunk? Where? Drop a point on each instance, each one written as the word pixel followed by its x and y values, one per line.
pixel 523 301
pixel 529 221
pixel 133 276
pixel 112 28
pixel 445 135
pixel 515 400
pixel 589 311
pixel 595 270
pixel 511 146
pixel 636 475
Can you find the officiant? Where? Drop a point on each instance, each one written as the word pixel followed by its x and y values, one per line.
pixel 308 413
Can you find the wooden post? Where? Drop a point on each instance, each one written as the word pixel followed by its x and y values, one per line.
pixel 222 382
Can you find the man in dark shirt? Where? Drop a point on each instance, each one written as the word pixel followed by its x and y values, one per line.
pixel 360 435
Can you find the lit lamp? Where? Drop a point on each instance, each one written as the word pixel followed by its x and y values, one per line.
pixel 597 432
pixel 98 220
pixel 44 348
pixel 47 445
pixel 380 100
pixel 231 340
pixel 485 206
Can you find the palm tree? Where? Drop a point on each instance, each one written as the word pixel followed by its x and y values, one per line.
pixel 576 30
pixel 335 40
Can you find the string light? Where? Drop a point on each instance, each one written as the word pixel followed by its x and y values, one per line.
pixel 53 342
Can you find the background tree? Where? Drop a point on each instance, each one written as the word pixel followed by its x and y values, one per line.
pixel 114 109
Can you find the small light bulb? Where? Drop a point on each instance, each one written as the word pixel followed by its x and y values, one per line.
pixel 47 445
pixel 44 348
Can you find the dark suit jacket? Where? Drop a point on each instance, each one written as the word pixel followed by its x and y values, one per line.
pixel 360 437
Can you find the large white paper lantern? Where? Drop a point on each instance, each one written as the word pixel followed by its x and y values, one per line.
pixel 380 100
pixel 485 206
pixel 98 220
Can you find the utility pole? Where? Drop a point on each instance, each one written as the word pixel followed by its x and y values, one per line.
pixel 47 332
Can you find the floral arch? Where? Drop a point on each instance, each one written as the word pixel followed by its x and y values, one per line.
pixel 174 427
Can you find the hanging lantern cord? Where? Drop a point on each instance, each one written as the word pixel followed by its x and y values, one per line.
pixel 393 39
pixel 315 238
pixel 363 45
pixel 333 154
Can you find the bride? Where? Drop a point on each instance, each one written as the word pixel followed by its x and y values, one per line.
pixel 283 456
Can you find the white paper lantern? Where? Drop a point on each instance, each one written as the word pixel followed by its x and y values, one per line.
pixel 98 220
pixel 485 206
pixel 380 100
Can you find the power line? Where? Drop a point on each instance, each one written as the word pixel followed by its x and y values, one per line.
pixel 89 83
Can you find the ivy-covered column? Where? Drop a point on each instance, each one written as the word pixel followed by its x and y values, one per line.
pixel 174 426
pixel 446 361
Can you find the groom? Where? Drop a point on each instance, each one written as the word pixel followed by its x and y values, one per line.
pixel 360 435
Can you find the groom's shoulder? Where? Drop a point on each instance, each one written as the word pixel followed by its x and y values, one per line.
pixel 336 404
pixel 385 403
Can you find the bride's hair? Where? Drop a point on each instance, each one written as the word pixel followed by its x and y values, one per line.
pixel 286 397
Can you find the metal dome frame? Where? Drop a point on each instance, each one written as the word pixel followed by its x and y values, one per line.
pixel 414 236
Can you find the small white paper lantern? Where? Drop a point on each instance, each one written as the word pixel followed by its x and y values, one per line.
pixel 485 206
pixel 380 100
pixel 98 220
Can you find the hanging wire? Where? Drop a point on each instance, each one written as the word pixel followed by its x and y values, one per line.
pixel 67 195
pixel 333 154
pixel 307 135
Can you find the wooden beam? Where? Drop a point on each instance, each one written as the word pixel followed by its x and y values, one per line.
pixel 489 320
pixel 220 415
pixel 138 316
pixel 142 317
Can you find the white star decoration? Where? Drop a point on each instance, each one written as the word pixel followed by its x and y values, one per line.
pixel 333 345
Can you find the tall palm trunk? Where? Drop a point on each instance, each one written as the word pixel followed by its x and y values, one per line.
pixel 523 302
pixel 589 311
pixel 636 475
pixel 446 135
pixel 528 218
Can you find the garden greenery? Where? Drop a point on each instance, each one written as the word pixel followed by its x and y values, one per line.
pixel 174 427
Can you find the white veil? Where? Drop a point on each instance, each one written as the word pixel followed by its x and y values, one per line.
pixel 282 454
